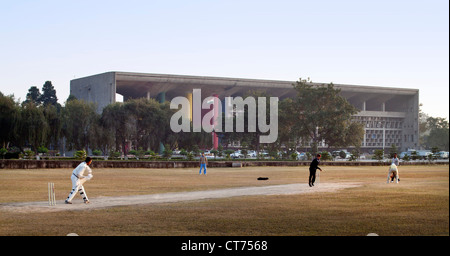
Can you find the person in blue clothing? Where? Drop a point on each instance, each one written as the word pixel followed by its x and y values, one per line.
pixel 312 169
pixel 203 163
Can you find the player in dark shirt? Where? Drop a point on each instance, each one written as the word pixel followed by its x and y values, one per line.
pixel 312 170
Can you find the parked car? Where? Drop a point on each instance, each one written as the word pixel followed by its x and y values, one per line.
pixel 403 154
pixel 301 156
pixel 423 154
pixel 336 153
pixel 263 154
pixel 443 154
pixel 237 154
pixel 251 153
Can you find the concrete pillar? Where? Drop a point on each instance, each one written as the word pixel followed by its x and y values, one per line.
pixel 383 106
pixel 161 148
pixel 196 110
pixel 148 95
pixel 189 113
pixel 223 105
pixel 215 120
pixel 364 140
pixel 161 97
pixel 364 106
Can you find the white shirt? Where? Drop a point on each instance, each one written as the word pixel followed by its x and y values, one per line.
pixel 79 171
pixel 395 161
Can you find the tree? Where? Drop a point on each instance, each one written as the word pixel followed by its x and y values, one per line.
pixel 115 119
pixel 214 152
pixel 167 152
pixel 251 133
pixel 439 133
pixel 79 119
pixel 192 140
pixel 48 94
pixel 220 150
pixel 244 149
pixel 33 95
pixel 53 118
pixel 228 137
pixel 288 134
pixel 252 139
pixel 379 154
pixel 320 113
pixel 393 150
pixel 141 122
pixel 33 126
pixel 355 155
pixel 102 137
pixel 9 118
pixel 422 125
pixel 149 123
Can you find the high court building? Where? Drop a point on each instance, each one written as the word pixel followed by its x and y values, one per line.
pixel 390 115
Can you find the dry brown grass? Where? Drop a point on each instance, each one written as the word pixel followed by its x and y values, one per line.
pixel 418 205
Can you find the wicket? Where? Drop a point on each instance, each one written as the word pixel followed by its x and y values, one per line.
pixel 51 194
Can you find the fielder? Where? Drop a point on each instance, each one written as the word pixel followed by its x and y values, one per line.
pixel 393 172
pixel 203 163
pixel 395 161
pixel 78 179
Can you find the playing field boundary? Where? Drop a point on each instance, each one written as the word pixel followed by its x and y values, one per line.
pixel 43 164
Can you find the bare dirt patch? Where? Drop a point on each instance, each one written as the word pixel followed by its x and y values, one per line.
pixel 106 202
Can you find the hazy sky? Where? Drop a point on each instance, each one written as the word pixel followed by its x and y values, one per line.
pixel 380 43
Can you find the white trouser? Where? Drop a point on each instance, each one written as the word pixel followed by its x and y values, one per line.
pixel 77 185
pixel 395 172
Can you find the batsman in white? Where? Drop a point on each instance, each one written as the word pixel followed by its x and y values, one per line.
pixel 393 173
pixel 78 179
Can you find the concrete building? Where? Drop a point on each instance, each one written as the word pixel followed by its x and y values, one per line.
pixel 390 115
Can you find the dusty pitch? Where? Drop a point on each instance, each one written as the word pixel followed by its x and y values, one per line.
pixel 105 202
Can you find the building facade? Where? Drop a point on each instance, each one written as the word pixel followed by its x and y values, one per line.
pixel 390 115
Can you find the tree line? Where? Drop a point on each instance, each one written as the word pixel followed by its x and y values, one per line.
pixel 316 114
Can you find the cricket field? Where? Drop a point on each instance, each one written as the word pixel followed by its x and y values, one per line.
pixel 347 201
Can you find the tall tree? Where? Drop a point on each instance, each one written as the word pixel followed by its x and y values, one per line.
pixel 79 118
pixel 33 126
pixel 33 95
pixel 48 94
pixel 116 119
pixel 53 118
pixel 439 133
pixel 9 118
pixel 288 135
pixel 148 122
pixel 143 122
pixel 320 113
pixel 253 138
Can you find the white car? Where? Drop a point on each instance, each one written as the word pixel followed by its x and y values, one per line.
pixel 251 153
pixel 403 154
pixel 237 154
pixel 300 156
pixel 423 154
pixel 443 155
